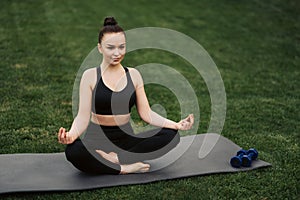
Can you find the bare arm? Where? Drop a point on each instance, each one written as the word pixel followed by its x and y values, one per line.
pixel 151 117
pixel 82 119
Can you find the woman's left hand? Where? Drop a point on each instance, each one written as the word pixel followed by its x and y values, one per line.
pixel 186 124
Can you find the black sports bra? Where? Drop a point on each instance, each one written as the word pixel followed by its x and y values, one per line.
pixel 108 102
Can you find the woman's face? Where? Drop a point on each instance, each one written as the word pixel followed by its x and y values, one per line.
pixel 113 48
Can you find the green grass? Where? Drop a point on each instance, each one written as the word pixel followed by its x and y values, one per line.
pixel 255 44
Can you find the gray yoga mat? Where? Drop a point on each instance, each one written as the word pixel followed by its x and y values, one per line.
pixel 51 172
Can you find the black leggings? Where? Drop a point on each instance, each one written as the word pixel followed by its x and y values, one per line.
pixel 130 148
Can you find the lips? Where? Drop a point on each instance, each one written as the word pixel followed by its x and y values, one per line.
pixel 116 59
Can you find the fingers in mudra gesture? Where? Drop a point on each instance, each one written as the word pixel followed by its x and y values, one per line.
pixel 64 137
pixel 186 124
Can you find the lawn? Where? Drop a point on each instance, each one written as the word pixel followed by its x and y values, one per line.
pixel 255 45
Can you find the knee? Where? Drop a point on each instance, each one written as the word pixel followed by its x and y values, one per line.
pixel 69 153
pixel 72 151
pixel 172 135
pixel 176 137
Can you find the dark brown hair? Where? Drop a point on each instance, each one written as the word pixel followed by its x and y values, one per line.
pixel 110 25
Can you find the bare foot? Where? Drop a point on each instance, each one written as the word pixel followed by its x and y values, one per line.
pixel 138 167
pixel 112 156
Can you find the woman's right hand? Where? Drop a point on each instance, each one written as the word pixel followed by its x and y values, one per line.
pixel 65 137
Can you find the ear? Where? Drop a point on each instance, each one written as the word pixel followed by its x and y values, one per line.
pixel 99 48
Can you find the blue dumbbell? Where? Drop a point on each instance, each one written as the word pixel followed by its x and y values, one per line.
pixel 252 154
pixel 236 161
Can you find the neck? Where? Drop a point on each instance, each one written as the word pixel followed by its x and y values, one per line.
pixel 112 68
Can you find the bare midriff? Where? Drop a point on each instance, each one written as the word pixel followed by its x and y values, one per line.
pixel 110 120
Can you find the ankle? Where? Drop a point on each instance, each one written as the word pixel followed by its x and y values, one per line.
pixel 123 169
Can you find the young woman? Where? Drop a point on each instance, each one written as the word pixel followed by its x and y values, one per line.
pixel 107 94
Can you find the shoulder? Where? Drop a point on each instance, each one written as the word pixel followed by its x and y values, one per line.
pixel 90 72
pixel 89 76
pixel 134 73
pixel 135 76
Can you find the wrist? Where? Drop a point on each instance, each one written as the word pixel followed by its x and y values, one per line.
pixel 173 125
pixel 177 126
pixel 73 135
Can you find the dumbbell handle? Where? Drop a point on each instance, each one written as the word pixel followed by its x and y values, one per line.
pixel 247 159
pixel 250 155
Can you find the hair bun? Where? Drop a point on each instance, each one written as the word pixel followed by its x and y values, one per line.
pixel 110 21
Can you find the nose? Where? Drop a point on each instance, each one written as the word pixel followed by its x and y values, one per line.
pixel 116 52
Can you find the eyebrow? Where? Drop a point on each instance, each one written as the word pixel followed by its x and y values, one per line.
pixel 111 45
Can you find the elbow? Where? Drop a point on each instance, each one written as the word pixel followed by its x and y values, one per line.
pixel 82 121
pixel 146 116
